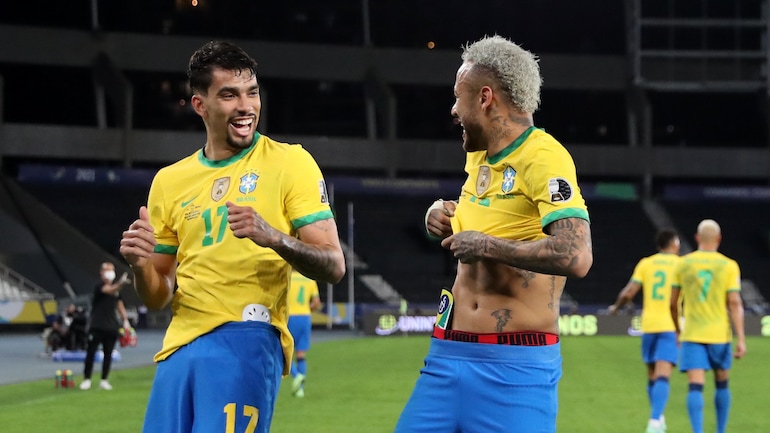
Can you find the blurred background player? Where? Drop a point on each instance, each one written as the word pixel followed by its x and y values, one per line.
pixel 654 274
pixel 303 299
pixel 709 284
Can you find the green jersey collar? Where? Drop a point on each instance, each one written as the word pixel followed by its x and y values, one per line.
pixel 225 162
pixel 511 147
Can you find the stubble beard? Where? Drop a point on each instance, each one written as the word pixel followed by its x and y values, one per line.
pixel 474 138
pixel 241 142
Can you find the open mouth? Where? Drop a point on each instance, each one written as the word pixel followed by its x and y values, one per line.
pixel 242 127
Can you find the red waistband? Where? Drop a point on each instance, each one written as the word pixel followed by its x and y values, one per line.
pixel 524 338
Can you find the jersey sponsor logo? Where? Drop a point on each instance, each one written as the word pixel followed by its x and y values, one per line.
pixel 509 176
pixel 324 193
pixel 220 187
pixel 248 183
pixel 559 189
pixel 483 179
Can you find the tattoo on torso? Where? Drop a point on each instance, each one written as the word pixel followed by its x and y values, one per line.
pixel 552 291
pixel 502 316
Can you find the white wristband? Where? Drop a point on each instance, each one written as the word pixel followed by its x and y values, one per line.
pixel 438 204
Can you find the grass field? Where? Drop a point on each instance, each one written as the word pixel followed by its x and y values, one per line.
pixel 360 385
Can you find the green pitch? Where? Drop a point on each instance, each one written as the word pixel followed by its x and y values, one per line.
pixel 360 385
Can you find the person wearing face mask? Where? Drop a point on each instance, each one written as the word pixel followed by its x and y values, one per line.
pixel 104 328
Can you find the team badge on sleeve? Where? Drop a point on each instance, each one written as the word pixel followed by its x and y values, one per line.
pixel 220 187
pixel 324 193
pixel 559 189
pixel 445 305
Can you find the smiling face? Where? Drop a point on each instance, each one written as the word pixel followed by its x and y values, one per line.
pixel 467 111
pixel 230 109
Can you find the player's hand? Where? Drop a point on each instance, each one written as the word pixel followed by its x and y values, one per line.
pixel 612 310
pixel 438 223
pixel 464 245
pixel 740 349
pixel 138 241
pixel 245 222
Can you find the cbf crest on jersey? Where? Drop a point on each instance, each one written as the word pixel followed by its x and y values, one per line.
pixel 220 187
pixel 483 179
pixel 248 183
pixel 324 193
pixel 509 176
pixel 560 189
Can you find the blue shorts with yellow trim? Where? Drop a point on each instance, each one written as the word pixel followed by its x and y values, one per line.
pixel 222 380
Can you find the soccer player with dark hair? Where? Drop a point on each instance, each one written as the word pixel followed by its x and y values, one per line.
pixel 217 240
pixel 654 275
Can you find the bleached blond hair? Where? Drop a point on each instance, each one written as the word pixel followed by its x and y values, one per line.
pixel 515 68
pixel 709 227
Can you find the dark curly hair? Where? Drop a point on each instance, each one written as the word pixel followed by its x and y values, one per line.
pixel 217 54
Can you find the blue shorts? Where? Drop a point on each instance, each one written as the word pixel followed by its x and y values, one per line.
pixel 475 387
pixel 700 356
pixel 230 375
pixel 660 346
pixel 299 327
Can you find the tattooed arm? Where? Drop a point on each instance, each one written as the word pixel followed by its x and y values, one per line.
pixel 566 251
pixel 317 253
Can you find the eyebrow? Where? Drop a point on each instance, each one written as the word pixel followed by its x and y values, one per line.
pixel 236 90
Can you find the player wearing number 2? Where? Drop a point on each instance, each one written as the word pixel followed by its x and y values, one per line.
pixel 653 275
pixel 303 300
pixel 709 284
pixel 218 238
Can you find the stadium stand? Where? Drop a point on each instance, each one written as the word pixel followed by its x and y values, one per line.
pixel 388 237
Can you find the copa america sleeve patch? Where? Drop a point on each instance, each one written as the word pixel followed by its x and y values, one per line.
pixel 324 193
pixel 559 189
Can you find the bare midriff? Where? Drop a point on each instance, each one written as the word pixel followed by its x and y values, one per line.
pixel 493 297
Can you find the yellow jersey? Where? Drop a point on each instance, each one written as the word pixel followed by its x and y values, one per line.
pixel 219 275
pixel 301 291
pixel 655 275
pixel 705 278
pixel 516 193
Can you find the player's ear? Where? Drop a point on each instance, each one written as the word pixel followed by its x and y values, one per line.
pixel 198 105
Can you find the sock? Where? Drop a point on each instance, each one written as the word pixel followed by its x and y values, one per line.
pixel 302 366
pixel 722 400
pixel 695 407
pixel 293 370
pixel 659 393
pixel 650 383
